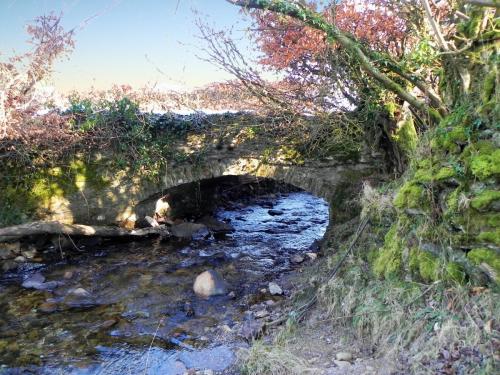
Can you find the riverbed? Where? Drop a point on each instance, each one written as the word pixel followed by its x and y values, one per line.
pixel 129 308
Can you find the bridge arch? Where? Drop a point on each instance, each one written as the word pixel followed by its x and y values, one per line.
pixel 128 199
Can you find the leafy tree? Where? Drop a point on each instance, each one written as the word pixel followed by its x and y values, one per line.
pixel 371 37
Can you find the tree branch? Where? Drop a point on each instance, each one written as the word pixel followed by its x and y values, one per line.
pixel 484 3
pixel 316 21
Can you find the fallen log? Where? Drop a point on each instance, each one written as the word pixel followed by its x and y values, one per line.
pixel 54 227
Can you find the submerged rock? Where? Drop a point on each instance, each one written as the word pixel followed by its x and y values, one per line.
pixel 341 364
pixel 80 292
pixel 312 256
pixel 210 283
pixel 297 259
pixel 215 225
pixel 275 212
pixel 9 250
pixel 188 230
pixel 34 282
pixel 48 307
pixel 261 314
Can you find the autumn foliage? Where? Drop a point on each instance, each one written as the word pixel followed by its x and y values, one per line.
pixel 285 42
pixel 20 74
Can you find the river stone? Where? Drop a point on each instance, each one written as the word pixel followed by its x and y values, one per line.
pixel 9 265
pixel 261 314
pixel 29 254
pixel 48 307
pixel 35 281
pixel 341 364
pixel 209 283
pixel 344 356
pixel 80 292
pixel 187 230
pixel 312 256
pixel 297 259
pixel 275 212
pixel 9 250
pixel 251 329
pixel 275 289
pixel 215 225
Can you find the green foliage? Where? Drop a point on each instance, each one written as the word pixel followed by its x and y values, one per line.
pixel 423 54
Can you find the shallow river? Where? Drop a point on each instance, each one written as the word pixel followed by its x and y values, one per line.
pixel 129 308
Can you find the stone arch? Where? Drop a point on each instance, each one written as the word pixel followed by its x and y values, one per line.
pixel 330 181
pixel 128 199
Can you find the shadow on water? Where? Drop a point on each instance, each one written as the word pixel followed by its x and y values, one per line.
pixel 130 307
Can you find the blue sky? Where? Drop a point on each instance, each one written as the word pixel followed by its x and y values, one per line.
pixel 129 40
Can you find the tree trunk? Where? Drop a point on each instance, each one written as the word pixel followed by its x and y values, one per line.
pixel 55 227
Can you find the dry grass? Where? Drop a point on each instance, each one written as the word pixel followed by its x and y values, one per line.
pixel 276 359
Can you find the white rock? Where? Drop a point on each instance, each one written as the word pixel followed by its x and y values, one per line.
pixel 29 254
pixel 341 364
pixel 226 328
pixel 344 356
pixel 275 289
pixel 297 259
pixel 312 256
pixel 261 314
pixel 80 292
pixel 210 283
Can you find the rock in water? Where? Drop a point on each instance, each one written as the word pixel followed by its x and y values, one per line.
pixel 35 281
pixel 275 289
pixel 275 212
pixel 297 259
pixel 48 307
pixel 215 225
pixel 80 292
pixel 209 283
pixel 344 356
pixel 188 230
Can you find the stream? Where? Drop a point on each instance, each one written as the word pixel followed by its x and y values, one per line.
pixel 129 308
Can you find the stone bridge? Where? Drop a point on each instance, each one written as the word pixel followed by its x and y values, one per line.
pixel 125 198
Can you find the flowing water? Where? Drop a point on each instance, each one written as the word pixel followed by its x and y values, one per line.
pixel 129 308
